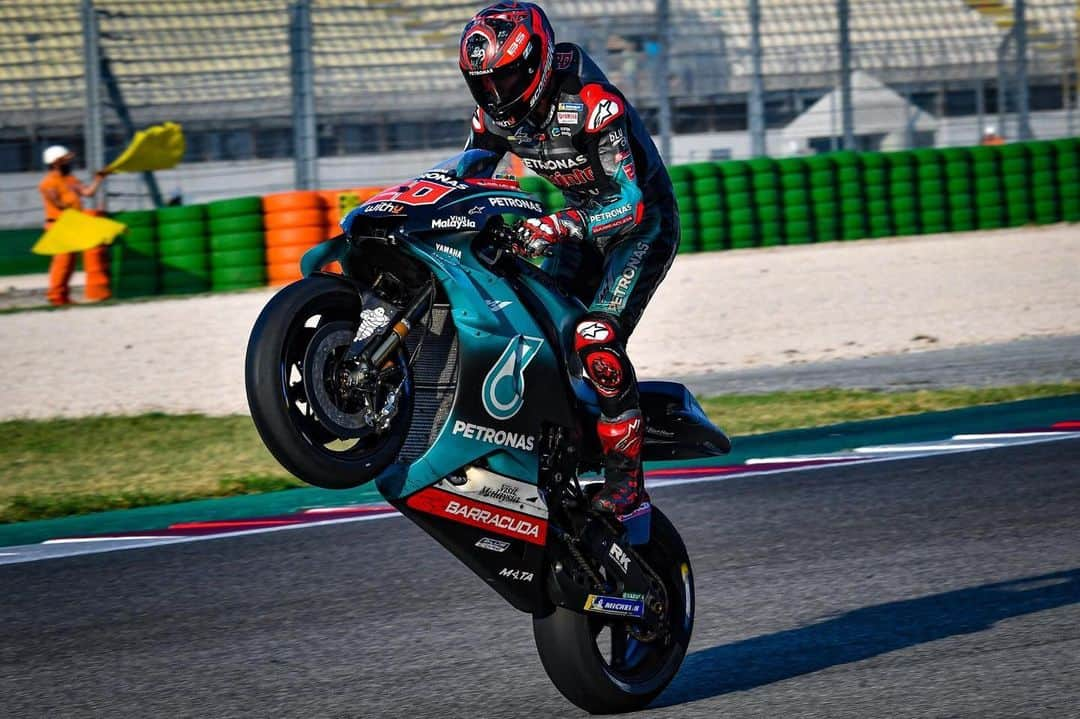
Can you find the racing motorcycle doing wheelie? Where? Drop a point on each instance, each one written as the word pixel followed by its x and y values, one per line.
pixel 440 365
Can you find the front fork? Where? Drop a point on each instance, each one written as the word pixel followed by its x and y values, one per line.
pixel 370 353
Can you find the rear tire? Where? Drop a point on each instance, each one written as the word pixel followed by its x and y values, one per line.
pixel 567 640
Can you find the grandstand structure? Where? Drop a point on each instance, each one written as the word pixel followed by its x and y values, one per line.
pixel 385 75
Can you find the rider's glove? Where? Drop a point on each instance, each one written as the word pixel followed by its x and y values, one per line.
pixel 538 237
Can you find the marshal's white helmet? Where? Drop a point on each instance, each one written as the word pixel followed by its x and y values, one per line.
pixel 54 153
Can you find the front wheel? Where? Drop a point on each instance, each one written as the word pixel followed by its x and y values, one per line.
pixel 597 663
pixel 316 423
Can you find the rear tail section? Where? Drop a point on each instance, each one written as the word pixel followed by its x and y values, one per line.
pixel 676 426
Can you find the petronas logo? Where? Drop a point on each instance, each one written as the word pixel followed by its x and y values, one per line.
pixel 504 385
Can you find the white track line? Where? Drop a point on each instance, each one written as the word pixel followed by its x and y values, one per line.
pixel 841 465
pixel 91 548
pixel 898 448
pixel 1010 435
pixel 805 458
pixel 79 549
pixel 344 508
pixel 124 538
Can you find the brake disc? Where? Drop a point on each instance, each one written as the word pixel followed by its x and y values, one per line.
pixel 344 415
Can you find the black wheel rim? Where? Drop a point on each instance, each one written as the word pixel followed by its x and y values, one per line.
pixel 330 311
pixel 636 664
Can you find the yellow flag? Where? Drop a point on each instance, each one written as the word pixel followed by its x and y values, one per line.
pixel 76 231
pixel 156 148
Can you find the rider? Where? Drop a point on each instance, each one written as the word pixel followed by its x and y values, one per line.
pixel 551 106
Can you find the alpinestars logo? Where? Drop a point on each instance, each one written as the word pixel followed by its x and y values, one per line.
pixel 632 437
pixel 504 385
pixel 594 331
pixel 603 113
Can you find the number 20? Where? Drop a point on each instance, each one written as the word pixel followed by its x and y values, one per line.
pixel 421 192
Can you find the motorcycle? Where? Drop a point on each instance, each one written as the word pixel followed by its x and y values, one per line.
pixel 440 365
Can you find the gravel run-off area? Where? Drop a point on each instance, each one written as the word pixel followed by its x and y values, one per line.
pixel 714 312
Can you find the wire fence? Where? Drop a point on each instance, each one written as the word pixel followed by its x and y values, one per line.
pixel 383 78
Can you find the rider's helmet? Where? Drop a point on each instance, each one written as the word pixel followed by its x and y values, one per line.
pixel 507 51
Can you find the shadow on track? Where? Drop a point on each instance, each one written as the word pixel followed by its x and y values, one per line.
pixel 864 633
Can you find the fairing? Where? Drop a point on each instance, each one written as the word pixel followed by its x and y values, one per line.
pixel 514 332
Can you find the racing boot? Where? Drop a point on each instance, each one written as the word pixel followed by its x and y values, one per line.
pixel 624 482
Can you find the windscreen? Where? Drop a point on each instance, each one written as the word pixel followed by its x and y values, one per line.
pixel 470 164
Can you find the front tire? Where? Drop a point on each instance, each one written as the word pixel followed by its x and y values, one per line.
pixel 633 673
pixel 281 391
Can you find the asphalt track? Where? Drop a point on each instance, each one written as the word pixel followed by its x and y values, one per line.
pixel 1043 359
pixel 942 586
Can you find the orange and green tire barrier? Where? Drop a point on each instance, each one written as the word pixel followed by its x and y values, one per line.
pixel 253 241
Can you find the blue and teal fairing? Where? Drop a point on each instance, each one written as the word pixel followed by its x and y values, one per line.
pixel 511 379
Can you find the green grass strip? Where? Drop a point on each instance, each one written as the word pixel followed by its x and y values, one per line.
pixel 65 467
pixel 754 414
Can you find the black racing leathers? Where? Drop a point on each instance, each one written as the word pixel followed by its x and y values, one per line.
pixel 593 146
pixel 622 227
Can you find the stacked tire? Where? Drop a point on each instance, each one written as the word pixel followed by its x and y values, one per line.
pixel 989 191
pixel 876 191
pixel 960 187
pixel 681 181
pixel 704 185
pixel 850 195
pixel 765 199
pixel 237 245
pixel 738 206
pixel 930 184
pixel 795 200
pixel 295 222
pixel 1067 168
pixel 133 266
pixel 902 193
pixel 340 203
pixel 1045 200
pixel 824 198
pixel 1014 183
pixel 183 248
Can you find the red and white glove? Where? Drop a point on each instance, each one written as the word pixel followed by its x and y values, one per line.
pixel 538 237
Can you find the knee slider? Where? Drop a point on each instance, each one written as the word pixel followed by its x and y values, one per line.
pixel 599 345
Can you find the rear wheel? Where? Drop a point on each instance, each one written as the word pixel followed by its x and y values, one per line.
pixel 314 421
pixel 597 662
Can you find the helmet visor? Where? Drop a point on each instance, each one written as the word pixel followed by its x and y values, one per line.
pixel 500 89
